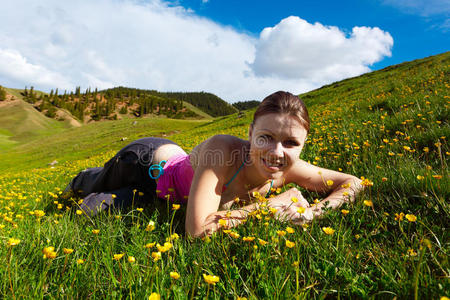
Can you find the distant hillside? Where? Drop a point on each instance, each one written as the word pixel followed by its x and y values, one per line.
pixel 20 122
pixel 245 105
pixel 116 103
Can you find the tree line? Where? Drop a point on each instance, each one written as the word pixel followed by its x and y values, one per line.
pixel 108 104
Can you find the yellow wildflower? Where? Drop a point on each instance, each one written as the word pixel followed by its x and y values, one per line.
pixel 154 296
pixel 150 226
pixel 294 199
pixel 95 231
pixel 174 275
pixel 118 256
pixel 411 218
pixel 131 259
pixel 49 252
pixel 330 182
pixel 281 232
pixel 290 229
pixel 80 261
pixel 67 250
pixel 262 242
pixel 13 242
pixel 399 217
pixel 290 244
pixel 328 230
pixel 344 211
pixel 301 210
pixel 223 223
pixel 211 279
pixel 175 206
pixel 368 203
pixel 248 238
pixel 156 256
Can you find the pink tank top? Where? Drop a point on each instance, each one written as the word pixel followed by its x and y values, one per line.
pixel 177 177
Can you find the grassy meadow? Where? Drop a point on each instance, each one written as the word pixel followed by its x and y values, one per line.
pixel 390 127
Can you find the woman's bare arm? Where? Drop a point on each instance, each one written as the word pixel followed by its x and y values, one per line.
pixel 340 187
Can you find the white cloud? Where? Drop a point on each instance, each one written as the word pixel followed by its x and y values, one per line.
pixel 13 66
pixel 155 45
pixel 421 7
pixel 296 49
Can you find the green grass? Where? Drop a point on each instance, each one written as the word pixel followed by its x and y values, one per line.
pixel 389 126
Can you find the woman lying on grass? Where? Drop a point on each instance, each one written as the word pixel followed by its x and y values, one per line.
pixel 221 170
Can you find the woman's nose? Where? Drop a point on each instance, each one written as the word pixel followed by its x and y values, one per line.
pixel 277 150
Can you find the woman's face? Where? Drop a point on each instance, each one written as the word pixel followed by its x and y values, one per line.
pixel 276 141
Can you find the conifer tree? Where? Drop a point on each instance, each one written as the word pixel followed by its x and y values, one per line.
pixel 2 94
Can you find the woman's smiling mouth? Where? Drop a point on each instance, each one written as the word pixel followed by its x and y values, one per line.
pixel 273 166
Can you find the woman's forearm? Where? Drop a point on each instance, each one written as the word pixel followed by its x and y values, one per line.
pixel 345 192
pixel 221 219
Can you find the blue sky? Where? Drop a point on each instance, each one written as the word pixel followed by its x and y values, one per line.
pixel 238 50
pixel 419 28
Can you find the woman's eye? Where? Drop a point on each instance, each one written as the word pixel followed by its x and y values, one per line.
pixel 291 143
pixel 263 140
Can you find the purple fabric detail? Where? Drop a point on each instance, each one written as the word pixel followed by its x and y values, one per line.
pixel 178 174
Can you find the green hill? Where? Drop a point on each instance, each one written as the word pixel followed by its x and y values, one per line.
pixel 389 126
pixel 20 122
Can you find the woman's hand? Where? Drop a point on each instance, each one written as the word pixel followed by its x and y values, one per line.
pixel 291 197
pixel 288 205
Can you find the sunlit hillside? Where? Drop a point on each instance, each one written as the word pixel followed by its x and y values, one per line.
pixel 389 126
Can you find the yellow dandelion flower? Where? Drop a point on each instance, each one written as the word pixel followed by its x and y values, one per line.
pixel 118 256
pixel 290 244
pixel 139 209
pixel 328 230
pixel 420 177
pixel 273 210
pixel 223 223
pixel 175 206
pixel 345 212
pixel 294 199
pixel 411 218
pixel 290 230
pixel 150 245
pixel 156 256
pixel 281 232
pixel 49 252
pixel 39 213
pixel 79 212
pixel 366 182
pixel 13 242
pixel 67 250
pixel 174 275
pixel 154 296
pixel 211 279
pixel 151 226
pixel 368 203
pixel 437 176
pixel 80 261
pixel 411 252
pixel 262 242
pixel 95 231
pixel 330 182
pixel 301 210
pixel 131 259
pixel 399 217
pixel 248 238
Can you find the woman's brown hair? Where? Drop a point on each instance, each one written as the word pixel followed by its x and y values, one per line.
pixel 283 103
